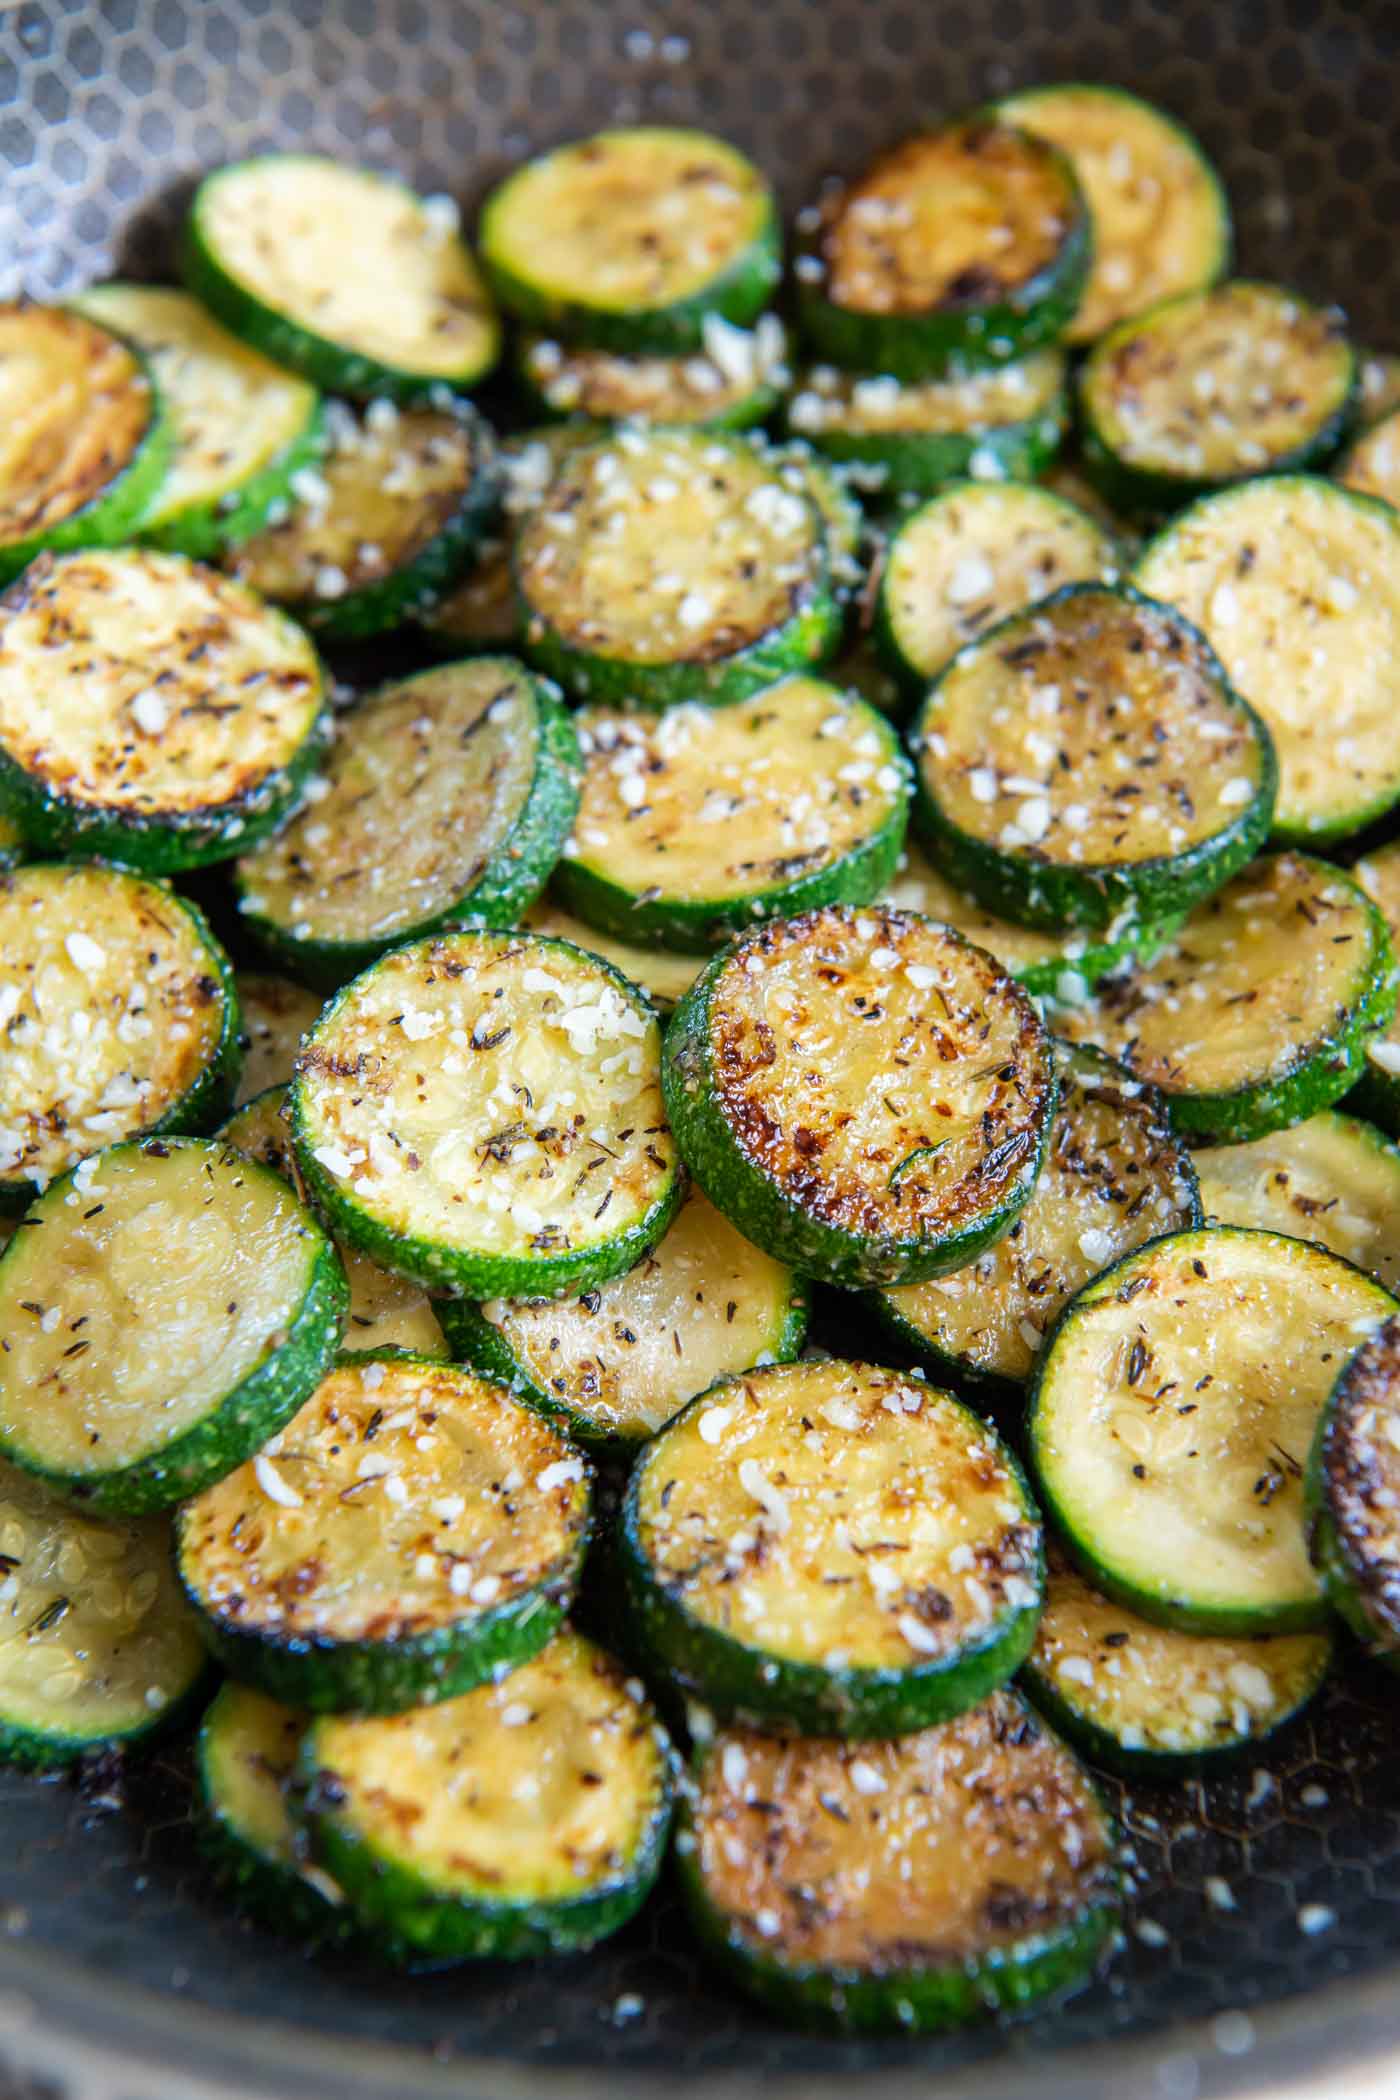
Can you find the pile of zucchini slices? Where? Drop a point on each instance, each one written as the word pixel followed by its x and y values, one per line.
pixel 820 850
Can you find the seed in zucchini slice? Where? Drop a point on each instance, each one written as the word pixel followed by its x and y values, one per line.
pixel 1001 423
pixel 1160 215
pixel 382 525
pixel 446 797
pixel 628 240
pixel 410 1533
pixel 526 1818
pixel 1372 465
pixel 1353 1492
pixel 963 1869
pixel 151 709
pixel 120 1017
pixel 958 248
pixel 832 1549
pixel 614 1365
pixel 1113 1177
pixel 86 442
pixel 1089 757
pixel 971 557
pixel 1332 1179
pixel 734 380
pixel 815 1058
pixel 672 565
pixel 1171 1417
pixel 97 1645
pixel 342 274
pixel 1150 1702
pixel 1295 582
pixel 164 1309
pixel 661 975
pixel 1259 1011
pixel 276 1015
pixel 245 1761
pixel 242 426
pixel 1378 1089
pixel 483 1113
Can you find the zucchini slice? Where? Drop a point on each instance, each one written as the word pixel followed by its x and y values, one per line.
pixel 96 1645
pixel 1113 1177
pixel 861 670
pixel 1377 384
pixel 903 1887
pixel 409 1534
pixel 734 380
pixel 629 240
pixel 830 489
pixel 151 709
pixel 245 1761
pixel 1160 215
pixel 86 443
pixel 661 975
pixel 611 1367
pixel 1332 1179
pixel 832 1549
pixel 1004 423
pixel 119 1017
pixel 970 558
pixel 1378 1089
pixel 697 821
pixel 446 797
pixel 130 1378
pixel 961 247
pixel 1089 757
pixel 673 565
pixel 342 274
pixel 1372 464
pixel 1353 1492
pixel 864 1094
pixel 385 1311
pixel 1260 1011
pixel 276 1015
pixel 1171 1417
pixel 393 512
pixel 1211 388
pixel 483 1113
pixel 1295 583
pixel 242 426
pixel 1151 1703
pixel 525 1818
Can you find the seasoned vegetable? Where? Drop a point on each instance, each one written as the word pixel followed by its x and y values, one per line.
pixel 1372 464
pixel 733 380
pixel 276 1015
pixel 1332 1179
pixel 1353 1492
pixel 1378 1088
pixel 662 976
pixel 245 1761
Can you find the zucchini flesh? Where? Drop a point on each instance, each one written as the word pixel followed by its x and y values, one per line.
pixel 1295 583
pixel 150 709
pixel 511 1139
pixel 96 1644
pixel 1372 464
pixel 524 1818
pixel 245 1761
pixel 1378 1091
pixel 733 380
pixel 276 1015
pixel 480 611
pixel 342 274
pixel 1353 1491
pixel 832 1549
pixel 661 975
pixel 1151 1702
pixel 129 1380
pixel 865 1094
pixel 1087 757
pixel 1113 1177
pixel 614 1365
pixel 120 1016
pixel 446 796
pixel 1160 215
pixel 1171 1418
pixel 1377 384
pixel 1259 1011
pixel 1332 1179
pixel 697 821
pixel 410 1533
pixel 901 1887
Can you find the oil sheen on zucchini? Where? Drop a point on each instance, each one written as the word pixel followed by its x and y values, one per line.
pixel 118 1016
pixel 831 1549
pixel 863 1093
pixel 1171 1418
pixel 483 1112
pixel 245 1762
pixel 97 1646
pixel 1259 1011
pixel 151 709
pixel 163 1310
pixel 525 1818
pixel 961 1870
pixel 663 976
pixel 733 380
pixel 410 1533
pixel 1378 1090
pixel 1353 1492
pixel 1087 757
pixel 1113 1177
pixel 446 797
pixel 1332 1179
pixel 276 1015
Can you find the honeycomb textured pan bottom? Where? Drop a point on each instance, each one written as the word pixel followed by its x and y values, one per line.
pixel 108 108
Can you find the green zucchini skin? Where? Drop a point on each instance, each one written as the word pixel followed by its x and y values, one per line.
pixel 917 462
pixel 205 531
pixel 1345 1486
pixel 40 1750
